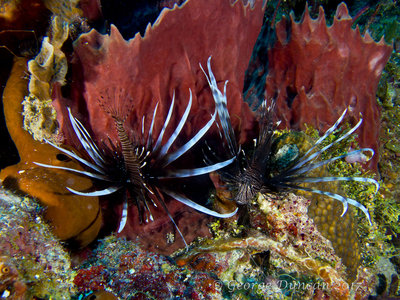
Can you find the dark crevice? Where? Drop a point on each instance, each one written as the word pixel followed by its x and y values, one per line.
pixel 291 94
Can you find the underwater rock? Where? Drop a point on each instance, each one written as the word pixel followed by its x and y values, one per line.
pixel 286 220
pixel 316 71
pixel 11 284
pixel 123 268
pixel 231 261
pixel 33 262
pixel 326 212
pixel 72 217
pixel 296 259
pixel 280 254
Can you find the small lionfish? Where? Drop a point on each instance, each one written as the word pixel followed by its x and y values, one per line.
pixel 258 174
pixel 138 166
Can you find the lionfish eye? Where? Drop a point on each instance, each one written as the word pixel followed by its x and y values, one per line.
pixel 63 157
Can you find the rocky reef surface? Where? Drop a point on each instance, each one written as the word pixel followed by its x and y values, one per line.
pixel 33 263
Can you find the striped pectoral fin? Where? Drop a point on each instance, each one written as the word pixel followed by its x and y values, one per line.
pixel 220 100
pixel 178 129
pixel 167 119
pixel 328 179
pixel 197 171
pixel 345 200
pixel 124 215
pixel 295 171
pixel 150 134
pixel 182 150
pixel 86 140
pixel 89 174
pixel 305 159
pixel 198 207
pixel 77 157
pixel 103 192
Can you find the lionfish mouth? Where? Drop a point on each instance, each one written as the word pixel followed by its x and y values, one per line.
pixel 259 164
pixel 145 166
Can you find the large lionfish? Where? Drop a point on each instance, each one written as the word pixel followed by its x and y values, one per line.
pixel 138 165
pixel 259 174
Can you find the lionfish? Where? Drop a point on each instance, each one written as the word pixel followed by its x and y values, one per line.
pixel 138 165
pixel 259 174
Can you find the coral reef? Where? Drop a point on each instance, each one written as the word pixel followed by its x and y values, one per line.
pixel 11 284
pixel 389 96
pixel 39 118
pixel 298 255
pixel 50 64
pixel 32 262
pixel 279 253
pixel 388 206
pixel 311 68
pixel 72 217
pixel 298 260
pixel 376 243
pixel 281 245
